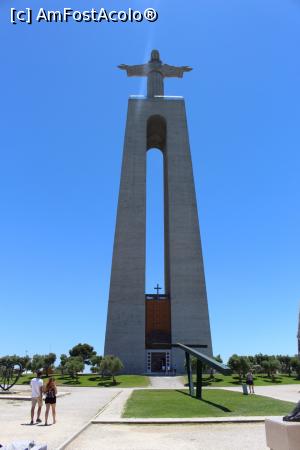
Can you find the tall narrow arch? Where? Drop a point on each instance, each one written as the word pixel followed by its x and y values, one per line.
pixel 155 259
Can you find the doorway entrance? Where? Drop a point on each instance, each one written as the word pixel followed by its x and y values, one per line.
pixel 158 361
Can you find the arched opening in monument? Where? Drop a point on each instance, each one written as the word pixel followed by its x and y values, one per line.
pixel 158 308
pixel 154 223
pixel 155 198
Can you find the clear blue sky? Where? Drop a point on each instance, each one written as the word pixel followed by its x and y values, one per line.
pixel 63 111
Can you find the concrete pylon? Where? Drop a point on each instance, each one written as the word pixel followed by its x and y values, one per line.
pixel 144 345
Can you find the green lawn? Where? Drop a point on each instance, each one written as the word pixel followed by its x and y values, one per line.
pixel 177 403
pixel 93 380
pixel 233 380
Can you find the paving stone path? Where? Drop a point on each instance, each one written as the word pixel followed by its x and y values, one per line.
pixel 166 382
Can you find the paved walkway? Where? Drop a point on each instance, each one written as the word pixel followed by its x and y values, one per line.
pixel 73 412
pixel 287 392
pixel 84 405
pixel 114 409
pixel 160 437
pixel 166 382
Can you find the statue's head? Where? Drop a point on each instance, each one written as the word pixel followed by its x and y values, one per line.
pixel 155 56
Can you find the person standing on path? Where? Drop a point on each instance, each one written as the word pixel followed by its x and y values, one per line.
pixel 250 382
pixel 36 396
pixel 50 391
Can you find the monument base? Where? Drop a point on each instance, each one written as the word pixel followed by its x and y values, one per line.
pixel 282 435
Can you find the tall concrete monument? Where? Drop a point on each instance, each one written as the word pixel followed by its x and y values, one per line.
pixel 144 328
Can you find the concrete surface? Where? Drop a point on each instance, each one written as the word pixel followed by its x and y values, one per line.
pixel 100 410
pixel 114 409
pixel 282 435
pixel 160 437
pixel 24 393
pixel 286 392
pixel 73 411
pixel 174 420
pixel 166 382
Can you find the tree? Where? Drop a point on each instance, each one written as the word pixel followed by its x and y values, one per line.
pixel 234 363
pixel 111 365
pixel 62 365
pixel 96 362
pixel 245 365
pixel 259 358
pixel 266 366
pixel 85 351
pixel 49 361
pixel 251 360
pixel 218 358
pixel 37 362
pixel 271 366
pixel 193 363
pixel 285 362
pixel 239 365
pixel 24 361
pixel 74 365
pixel 256 368
pixel 274 367
pixel 295 364
pixel 211 370
pixel 105 366
pixel 115 366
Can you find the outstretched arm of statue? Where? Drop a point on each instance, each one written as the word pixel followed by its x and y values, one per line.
pixel 139 70
pixel 173 71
